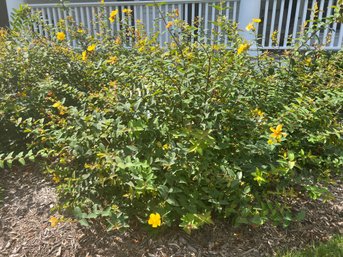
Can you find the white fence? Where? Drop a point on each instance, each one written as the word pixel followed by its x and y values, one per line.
pixel 285 16
pixel 148 13
pixel 288 17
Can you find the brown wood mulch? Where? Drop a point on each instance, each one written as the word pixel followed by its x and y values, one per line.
pixel 25 229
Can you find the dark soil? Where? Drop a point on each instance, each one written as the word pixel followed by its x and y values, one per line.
pixel 25 229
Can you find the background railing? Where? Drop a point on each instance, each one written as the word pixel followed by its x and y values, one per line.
pixel 201 14
pixel 287 17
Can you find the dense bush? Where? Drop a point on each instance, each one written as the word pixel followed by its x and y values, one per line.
pixel 189 131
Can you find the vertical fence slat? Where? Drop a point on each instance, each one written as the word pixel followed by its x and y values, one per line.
pixel 118 22
pixel 200 22
pixel 288 21
pixel 192 20
pixel 148 19
pixel 219 27
pixel 227 14
pixel 54 16
pixel 44 19
pixel 295 25
pixel 340 37
pixel 304 16
pixel 265 22
pixel 35 28
pixel 213 10
pixel 333 36
pixel 82 16
pixel 49 16
pixel 321 10
pixel 311 20
pixel 88 18
pixel 235 11
pixel 326 31
pixel 272 22
pixel 164 25
pixel 282 8
pixel 154 18
pixel 206 22
pixel 40 28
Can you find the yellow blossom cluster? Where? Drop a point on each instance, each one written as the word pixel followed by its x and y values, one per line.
pixel 277 135
pixel 127 11
pixel 112 60
pixel 258 113
pixel 113 15
pixel 251 25
pixel 243 48
pixel 169 24
pixel 59 106
pixel 91 48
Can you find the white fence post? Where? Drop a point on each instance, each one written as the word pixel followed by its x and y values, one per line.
pixel 13 4
pixel 248 10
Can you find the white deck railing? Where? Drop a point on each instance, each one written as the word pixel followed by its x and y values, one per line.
pixel 288 17
pixel 285 16
pixel 145 12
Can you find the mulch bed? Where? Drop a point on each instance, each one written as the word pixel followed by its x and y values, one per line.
pixel 25 230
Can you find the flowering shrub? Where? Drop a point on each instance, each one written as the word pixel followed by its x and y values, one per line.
pixel 172 135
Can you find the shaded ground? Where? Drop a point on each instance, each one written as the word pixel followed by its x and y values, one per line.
pixel 25 230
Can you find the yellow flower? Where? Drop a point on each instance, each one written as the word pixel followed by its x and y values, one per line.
pixel 256 20
pixel 84 55
pixel 117 41
pixel 112 60
pixel 91 48
pixel 216 47
pixel 154 220
pixel 60 36
pixel 113 15
pixel 270 141
pixel 169 24
pixel 53 221
pixel 81 31
pixel 113 84
pixel 176 12
pixel 277 133
pixel 242 48
pixel 127 11
pixel 56 179
pixel 258 112
pixel 57 104
pixel 250 26
pixel 308 61
pixel 166 147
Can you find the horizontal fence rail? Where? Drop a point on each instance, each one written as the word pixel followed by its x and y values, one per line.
pixel 282 20
pixel 201 14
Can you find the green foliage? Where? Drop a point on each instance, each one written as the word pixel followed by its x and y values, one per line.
pixel 188 131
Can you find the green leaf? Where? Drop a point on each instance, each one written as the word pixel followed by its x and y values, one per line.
pixel 84 222
pixel 22 161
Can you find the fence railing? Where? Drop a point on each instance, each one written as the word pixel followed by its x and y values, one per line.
pixel 287 17
pixel 201 14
